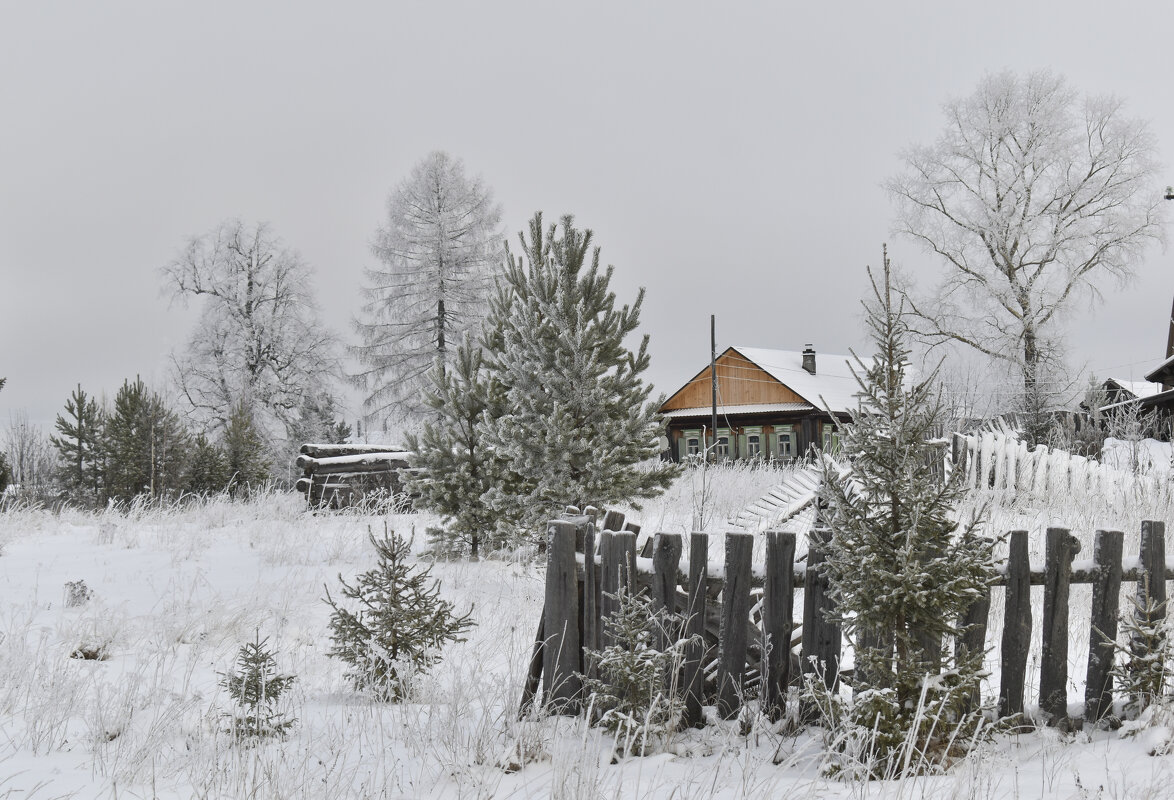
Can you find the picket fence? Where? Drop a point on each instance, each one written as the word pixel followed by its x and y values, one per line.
pixel 756 609
pixel 1000 460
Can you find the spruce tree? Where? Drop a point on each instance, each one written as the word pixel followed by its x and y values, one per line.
pixel 453 471
pixel 256 688
pixel 145 444
pixel 244 449
pixel 399 623
pixel 578 426
pixel 79 442
pixel 901 569
pixel 207 471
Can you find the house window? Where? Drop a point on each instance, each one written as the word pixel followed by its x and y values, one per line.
pixel 831 438
pixel 692 446
pixel 786 446
pixel 753 445
pixel 722 450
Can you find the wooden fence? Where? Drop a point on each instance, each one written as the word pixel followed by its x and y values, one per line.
pixel 756 609
pixel 1000 460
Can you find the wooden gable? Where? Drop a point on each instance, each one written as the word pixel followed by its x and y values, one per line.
pixel 740 382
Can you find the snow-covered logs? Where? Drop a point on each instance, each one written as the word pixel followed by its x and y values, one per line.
pixel 342 475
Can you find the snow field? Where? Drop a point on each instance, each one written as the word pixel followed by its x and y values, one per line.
pixel 176 592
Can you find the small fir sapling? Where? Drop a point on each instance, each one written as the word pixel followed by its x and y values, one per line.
pixel 400 624
pixel 1143 666
pixel 256 688
pixel 889 511
pixel 636 697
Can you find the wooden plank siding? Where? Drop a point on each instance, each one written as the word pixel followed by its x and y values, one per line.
pixel 740 382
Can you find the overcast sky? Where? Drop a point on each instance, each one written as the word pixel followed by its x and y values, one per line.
pixel 728 156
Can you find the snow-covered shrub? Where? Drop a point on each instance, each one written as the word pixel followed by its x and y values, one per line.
pixel 77 594
pixel 400 623
pixel 256 688
pixel 635 695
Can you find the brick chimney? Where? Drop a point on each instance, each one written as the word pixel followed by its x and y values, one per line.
pixel 809 358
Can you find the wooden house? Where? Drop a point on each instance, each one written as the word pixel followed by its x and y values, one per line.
pixel 771 404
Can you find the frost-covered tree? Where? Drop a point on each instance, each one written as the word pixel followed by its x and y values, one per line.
pixel 577 426
pixel 636 697
pixel 259 340
pixel 452 469
pixel 888 512
pixel 439 251
pixel 145 445
pixel 256 688
pixel 1031 199
pixel 397 622
pixel 30 458
pixel 79 446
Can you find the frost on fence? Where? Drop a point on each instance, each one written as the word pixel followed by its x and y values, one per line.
pixel 998 460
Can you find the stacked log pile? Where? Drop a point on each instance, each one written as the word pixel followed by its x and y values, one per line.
pixel 346 475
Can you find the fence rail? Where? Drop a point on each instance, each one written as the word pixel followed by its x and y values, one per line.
pixel 756 611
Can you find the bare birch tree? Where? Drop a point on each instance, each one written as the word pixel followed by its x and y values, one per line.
pixel 439 252
pixel 258 341
pixel 1031 198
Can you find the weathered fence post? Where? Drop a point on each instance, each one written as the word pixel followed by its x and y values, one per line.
pixel 1016 626
pixel 972 642
pixel 591 617
pixel 562 658
pixel 1053 678
pixel 777 620
pixel 735 615
pixel 693 676
pixel 821 638
pixel 1102 638
pixel 613 521
pixel 1151 579
pixel 666 559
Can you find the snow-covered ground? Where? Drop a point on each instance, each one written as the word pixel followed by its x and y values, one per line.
pixel 176 593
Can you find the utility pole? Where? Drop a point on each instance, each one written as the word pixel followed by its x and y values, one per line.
pixel 713 381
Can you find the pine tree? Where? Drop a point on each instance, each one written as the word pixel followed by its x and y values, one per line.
pixel 207 471
pixel 256 689
pixel 635 694
pixel 889 514
pixel 578 427
pixel 79 443
pixel 244 452
pixel 145 444
pixel 452 468
pixel 399 626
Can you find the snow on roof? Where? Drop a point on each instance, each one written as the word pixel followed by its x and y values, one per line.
pixel 750 408
pixel 832 384
pixel 1162 370
pixel 1139 389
